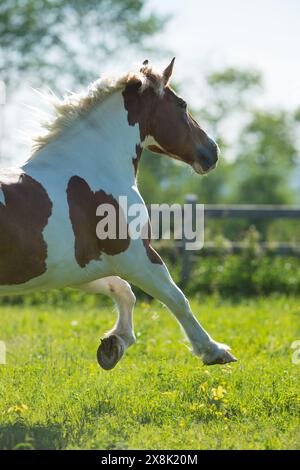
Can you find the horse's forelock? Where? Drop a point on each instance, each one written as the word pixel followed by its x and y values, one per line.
pixel 152 78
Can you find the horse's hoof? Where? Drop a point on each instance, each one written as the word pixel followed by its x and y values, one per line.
pixel 223 358
pixel 110 352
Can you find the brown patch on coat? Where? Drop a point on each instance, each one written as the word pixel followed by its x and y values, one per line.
pixel 151 253
pixel 83 204
pixel 137 158
pixel 23 217
pixel 133 103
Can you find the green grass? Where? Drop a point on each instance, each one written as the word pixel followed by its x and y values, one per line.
pixel 53 394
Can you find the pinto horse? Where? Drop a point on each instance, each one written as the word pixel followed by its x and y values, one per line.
pixel 88 157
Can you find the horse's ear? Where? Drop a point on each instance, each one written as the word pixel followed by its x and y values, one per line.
pixel 167 73
pixel 143 69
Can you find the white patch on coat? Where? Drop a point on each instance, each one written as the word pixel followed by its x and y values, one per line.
pixel 149 140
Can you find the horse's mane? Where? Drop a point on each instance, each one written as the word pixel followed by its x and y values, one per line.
pixel 74 105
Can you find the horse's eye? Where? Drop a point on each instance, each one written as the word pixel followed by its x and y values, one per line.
pixel 182 104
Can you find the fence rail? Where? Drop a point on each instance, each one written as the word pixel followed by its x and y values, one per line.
pixel 241 211
pixel 252 212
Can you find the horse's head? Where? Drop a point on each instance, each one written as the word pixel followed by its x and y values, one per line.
pixel 166 126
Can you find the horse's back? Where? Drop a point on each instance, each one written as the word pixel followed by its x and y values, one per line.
pixel 25 208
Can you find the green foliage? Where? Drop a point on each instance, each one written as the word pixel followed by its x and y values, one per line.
pixel 212 188
pixel 231 90
pixel 239 275
pixel 267 158
pixel 44 37
pixel 251 272
pixel 237 79
pixel 54 396
pixel 55 297
pixel 227 274
pixel 159 180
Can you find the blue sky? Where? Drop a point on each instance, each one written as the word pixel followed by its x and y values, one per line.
pixel 262 34
pixel 207 35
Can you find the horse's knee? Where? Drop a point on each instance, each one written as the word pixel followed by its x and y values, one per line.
pixel 122 290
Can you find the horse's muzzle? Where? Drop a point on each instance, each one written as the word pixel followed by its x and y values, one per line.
pixel 207 157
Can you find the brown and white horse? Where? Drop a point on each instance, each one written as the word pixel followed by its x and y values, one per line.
pixel 89 157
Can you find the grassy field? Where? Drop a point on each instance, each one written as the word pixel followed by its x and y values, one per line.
pixel 53 394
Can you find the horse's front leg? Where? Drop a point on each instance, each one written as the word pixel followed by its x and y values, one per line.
pixel 121 336
pixel 153 277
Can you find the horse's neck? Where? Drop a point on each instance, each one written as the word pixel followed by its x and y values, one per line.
pixel 101 141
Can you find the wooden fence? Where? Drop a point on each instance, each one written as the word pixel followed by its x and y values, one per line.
pixel 252 213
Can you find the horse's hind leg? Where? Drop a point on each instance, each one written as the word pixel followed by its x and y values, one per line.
pixel 117 340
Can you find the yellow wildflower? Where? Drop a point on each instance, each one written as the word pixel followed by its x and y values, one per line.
pixel 21 408
pixel 218 393
pixel 203 387
pixel 197 406
pixel 145 305
pixel 171 394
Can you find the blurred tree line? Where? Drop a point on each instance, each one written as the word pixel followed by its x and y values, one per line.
pixel 47 39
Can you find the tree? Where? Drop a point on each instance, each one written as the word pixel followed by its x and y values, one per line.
pixel 267 157
pixel 229 93
pixel 50 38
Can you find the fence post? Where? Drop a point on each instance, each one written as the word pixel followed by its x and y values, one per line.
pixel 186 255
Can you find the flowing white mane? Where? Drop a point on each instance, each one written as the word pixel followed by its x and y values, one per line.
pixel 74 105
